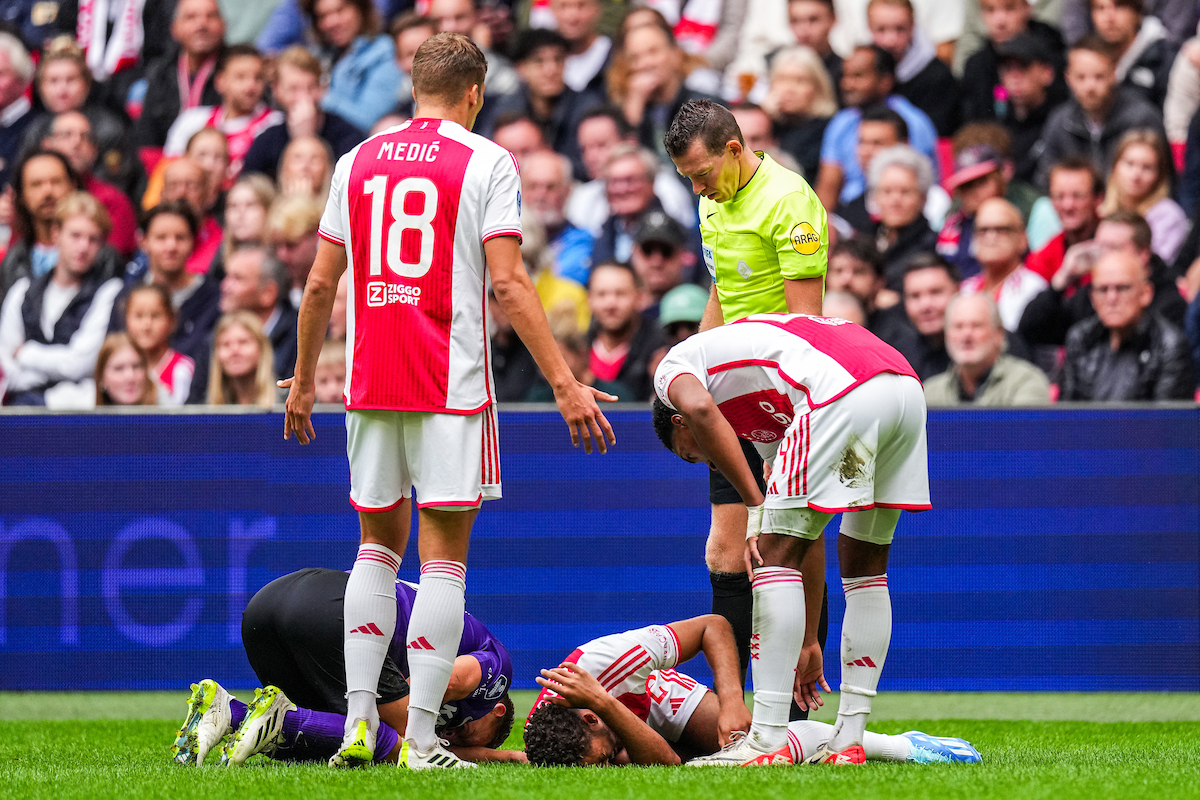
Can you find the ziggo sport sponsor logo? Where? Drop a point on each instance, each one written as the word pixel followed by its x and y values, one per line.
pixel 382 294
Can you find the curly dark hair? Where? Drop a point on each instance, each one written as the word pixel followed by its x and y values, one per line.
pixel 555 736
pixel 663 425
pixel 506 723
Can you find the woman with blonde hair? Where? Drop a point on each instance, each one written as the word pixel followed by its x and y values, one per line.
pixel 1140 182
pixel 246 207
pixel 242 371
pixel 122 374
pixel 306 168
pixel 800 100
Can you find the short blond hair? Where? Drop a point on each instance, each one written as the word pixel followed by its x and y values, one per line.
pixel 299 58
pixel 82 204
pixel 333 352
pixel 292 217
pixel 446 65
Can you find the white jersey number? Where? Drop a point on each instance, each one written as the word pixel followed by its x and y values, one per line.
pixel 376 187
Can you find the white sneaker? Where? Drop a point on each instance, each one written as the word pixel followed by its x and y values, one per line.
pixel 741 752
pixel 206 724
pixel 437 758
pixel 261 729
pixel 358 747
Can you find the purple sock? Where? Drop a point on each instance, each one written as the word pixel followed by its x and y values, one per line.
pixel 385 741
pixel 237 713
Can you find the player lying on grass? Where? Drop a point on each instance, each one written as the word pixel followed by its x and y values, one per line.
pixel 618 700
pixel 292 633
pixel 840 418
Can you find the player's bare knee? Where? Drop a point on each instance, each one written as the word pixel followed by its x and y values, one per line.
pixel 724 550
pixel 866 537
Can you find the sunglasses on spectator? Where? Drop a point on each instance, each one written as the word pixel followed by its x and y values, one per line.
pixel 658 248
pixel 1119 289
pixel 996 230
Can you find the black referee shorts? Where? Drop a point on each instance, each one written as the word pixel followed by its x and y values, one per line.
pixel 721 491
pixel 292 632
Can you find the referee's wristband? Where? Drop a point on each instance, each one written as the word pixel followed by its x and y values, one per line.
pixel 754 517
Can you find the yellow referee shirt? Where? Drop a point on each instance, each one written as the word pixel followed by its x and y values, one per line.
pixel 773 228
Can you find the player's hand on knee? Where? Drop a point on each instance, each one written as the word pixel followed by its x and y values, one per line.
pixel 297 417
pixel 810 678
pixel 583 416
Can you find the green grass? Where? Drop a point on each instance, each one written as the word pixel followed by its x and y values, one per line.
pixel 1058 747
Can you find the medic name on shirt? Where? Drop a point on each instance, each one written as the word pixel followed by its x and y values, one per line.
pixel 409 151
pixel 382 294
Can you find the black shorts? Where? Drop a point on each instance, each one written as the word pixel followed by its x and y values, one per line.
pixel 292 632
pixel 721 491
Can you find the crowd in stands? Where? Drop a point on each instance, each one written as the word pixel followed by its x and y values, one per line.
pixel 1013 186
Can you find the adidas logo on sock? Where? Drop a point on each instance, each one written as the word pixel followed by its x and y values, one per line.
pixel 420 643
pixel 865 661
pixel 371 629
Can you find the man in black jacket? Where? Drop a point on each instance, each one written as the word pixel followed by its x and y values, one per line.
pixel 1007 21
pixel 921 77
pixel 1126 352
pixel 1028 80
pixel 1140 43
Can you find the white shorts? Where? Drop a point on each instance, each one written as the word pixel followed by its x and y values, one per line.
pixel 864 450
pixel 452 460
pixel 673 699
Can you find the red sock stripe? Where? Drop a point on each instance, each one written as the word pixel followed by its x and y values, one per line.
pixel 869 582
pixel 446 569
pixel 372 557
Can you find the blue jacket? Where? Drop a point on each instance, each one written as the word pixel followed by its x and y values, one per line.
pixel 362 86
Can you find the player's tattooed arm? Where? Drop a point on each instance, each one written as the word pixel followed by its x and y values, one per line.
pixel 714 435
pixel 465 678
pixel 712 635
pixel 578 689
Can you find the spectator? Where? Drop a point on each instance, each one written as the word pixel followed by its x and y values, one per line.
pixel 621 342
pixel 70 133
pixel 246 207
pixel 362 83
pixel 209 148
pixel 576 352
pixel 1141 182
pixel 680 312
pixel 462 16
pixel 1126 352
pixel 291 231
pixel 811 21
pixel 978 176
pixel 868 78
pixel 599 133
pixel 16 112
pixel 564 301
pixel 518 135
pixel 169 235
pixel 546 183
pixel 588 52
pixel 183 78
pixel 299 91
pixel 1067 301
pixel 800 102
pixel 981 373
pixel 306 169
pixel 654 90
pixel 241 363
pixel 1179 17
pixel 1098 114
pixel 330 374
pixel 1076 190
pixel 1012 36
pixel 514 371
pixel 184 179
pixel 539 56
pixel 929 283
pixel 52 326
pixel 921 77
pixel 856 269
pixel 843 305
pixel 257 282
pixel 122 375
pixel 150 321
pixel 999 247
pixel 241 116
pixel 1140 45
pixel 1030 86
pixel 409 31
pixel 759 134
pixel 63 84
pixel 658 259
pixel 898 183
pixel 629 188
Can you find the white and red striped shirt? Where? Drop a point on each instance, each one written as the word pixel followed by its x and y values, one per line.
pixel 760 368
pixel 413 207
pixel 174 373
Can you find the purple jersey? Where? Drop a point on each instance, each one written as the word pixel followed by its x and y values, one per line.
pixel 476 641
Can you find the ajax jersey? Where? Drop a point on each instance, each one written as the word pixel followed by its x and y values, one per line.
pixel 413 207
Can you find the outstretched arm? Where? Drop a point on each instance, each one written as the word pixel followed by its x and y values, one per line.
pixel 712 635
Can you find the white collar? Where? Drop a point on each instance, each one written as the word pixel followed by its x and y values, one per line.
pixel 16 109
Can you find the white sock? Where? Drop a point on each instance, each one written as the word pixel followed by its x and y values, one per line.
pixel 774 650
pixel 806 736
pixel 370 616
pixel 434 631
pixel 866 633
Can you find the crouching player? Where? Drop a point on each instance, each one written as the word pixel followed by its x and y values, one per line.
pixel 618 700
pixel 840 418
pixel 292 633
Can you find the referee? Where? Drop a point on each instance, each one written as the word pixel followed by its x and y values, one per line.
pixel 766 247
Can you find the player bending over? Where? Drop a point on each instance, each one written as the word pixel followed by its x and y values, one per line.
pixel 840 417
pixel 617 700
pixel 292 633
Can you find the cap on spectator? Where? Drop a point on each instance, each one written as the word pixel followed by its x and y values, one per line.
pixel 974 162
pixel 682 304
pixel 657 226
pixel 1024 48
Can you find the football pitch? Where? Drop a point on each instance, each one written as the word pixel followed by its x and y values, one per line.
pixel 1058 746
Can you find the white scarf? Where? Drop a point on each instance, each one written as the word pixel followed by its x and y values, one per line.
pixel 919 54
pixel 106 58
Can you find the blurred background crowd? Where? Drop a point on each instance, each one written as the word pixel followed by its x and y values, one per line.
pixel 1012 186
